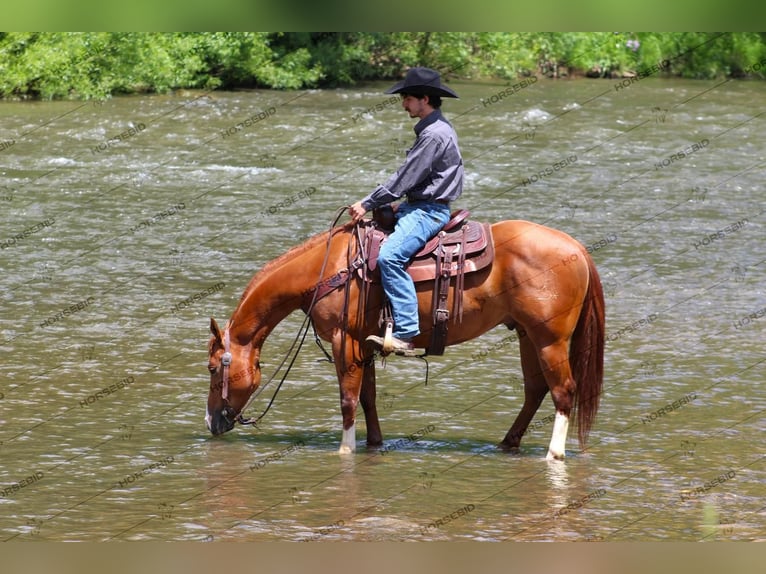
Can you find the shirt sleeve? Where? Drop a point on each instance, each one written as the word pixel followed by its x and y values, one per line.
pixel 414 172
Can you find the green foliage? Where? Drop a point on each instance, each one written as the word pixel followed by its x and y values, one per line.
pixel 96 65
pixel 93 65
pixel 248 59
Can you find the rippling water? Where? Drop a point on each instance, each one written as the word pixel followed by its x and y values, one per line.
pixel 126 224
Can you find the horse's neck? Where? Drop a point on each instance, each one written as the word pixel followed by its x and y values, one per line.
pixel 265 303
pixel 278 289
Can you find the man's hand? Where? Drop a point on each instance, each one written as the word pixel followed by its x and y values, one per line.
pixel 356 211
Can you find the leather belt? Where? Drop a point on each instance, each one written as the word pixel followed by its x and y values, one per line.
pixel 440 201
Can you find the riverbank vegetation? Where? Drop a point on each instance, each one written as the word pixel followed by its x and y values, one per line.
pixel 50 65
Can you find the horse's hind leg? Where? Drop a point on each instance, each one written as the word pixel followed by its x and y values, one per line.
pixel 555 361
pixel 535 389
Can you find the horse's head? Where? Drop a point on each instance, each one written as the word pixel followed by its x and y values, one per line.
pixel 234 375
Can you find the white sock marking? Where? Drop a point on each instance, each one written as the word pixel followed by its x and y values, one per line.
pixel 348 442
pixel 557 447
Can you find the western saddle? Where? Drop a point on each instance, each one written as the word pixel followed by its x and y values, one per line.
pixel 463 246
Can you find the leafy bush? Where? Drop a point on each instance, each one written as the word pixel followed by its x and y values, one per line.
pixel 94 65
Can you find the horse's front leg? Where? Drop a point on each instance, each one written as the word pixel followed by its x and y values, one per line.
pixel 368 395
pixel 350 372
pixel 350 385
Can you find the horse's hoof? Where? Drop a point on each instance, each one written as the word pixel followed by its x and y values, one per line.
pixel 345 449
pixel 511 448
pixel 554 456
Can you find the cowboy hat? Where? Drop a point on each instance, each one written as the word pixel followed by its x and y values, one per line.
pixel 422 81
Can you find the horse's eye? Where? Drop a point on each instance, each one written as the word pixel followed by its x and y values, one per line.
pixel 211 368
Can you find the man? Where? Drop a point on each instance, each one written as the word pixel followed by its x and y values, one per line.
pixel 430 178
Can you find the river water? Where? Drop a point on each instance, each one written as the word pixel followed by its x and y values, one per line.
pixel 127 223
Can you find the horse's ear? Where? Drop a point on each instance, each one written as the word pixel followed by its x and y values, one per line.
pixel 216 331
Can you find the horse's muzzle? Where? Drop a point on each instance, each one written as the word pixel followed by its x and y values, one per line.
pixel 219 422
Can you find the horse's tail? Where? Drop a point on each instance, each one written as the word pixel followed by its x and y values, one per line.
pixel 586 354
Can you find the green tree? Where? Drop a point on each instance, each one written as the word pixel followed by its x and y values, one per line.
pixel 96 65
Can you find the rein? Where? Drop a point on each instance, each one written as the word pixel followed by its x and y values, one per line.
pixel 226 357
pixel 254 421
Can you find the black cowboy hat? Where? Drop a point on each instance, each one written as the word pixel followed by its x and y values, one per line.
pixel 422 81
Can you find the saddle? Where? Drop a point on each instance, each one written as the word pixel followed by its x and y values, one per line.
pixel 461 247
pixel 466 245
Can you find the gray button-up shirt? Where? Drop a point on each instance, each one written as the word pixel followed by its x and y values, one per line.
pixel 433 170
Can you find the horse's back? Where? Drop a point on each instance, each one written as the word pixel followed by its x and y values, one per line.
pixel 536 243
pixel 541 271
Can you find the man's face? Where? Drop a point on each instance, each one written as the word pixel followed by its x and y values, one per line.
pixel 417 108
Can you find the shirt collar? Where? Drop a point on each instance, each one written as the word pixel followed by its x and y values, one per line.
pixel 434 116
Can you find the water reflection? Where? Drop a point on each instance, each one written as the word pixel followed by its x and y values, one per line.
pixel 557 474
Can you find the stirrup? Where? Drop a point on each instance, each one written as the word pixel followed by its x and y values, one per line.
pixel 388 338
pixel 386 349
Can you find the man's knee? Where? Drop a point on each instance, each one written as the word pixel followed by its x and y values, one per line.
pixel 388 260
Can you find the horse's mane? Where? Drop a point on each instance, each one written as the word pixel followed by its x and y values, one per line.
pixel 301 248
pixel 296 251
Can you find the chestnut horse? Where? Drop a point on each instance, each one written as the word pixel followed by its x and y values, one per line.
pixel 542 283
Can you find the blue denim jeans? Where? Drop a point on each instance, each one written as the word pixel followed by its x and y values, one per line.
pixel 416 223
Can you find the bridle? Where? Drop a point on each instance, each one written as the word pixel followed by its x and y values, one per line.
pixel 228 410
pixel 226 362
